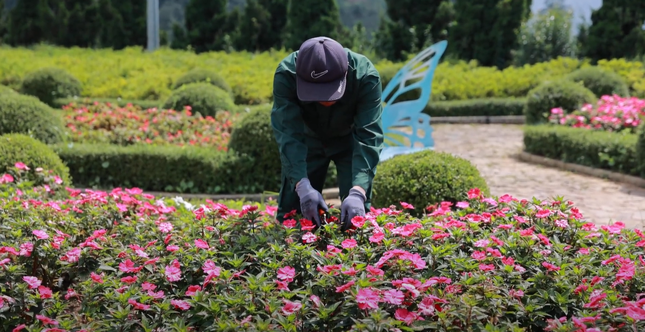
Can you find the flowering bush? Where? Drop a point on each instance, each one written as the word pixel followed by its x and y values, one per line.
pixel 123 260
pixel 107 123
pixel 611 113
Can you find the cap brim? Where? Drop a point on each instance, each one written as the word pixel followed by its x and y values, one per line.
pixel 329 91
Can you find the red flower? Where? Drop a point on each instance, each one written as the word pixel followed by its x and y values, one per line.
pixel 289 307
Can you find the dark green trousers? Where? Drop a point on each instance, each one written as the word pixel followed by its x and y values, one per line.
pixel 319 155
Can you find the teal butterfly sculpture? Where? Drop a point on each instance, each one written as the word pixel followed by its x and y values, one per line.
pixel 406 128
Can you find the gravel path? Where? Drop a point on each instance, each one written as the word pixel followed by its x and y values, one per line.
pixel 491 148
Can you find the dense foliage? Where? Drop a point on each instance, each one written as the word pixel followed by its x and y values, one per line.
pixel 34 157
pixel 122 259
pixel 203 98
pixel 107 123
pixel 567 95
pixel 199 75
pixel 600 81
pixel 27 115
pixel 131 74
pixel 426 177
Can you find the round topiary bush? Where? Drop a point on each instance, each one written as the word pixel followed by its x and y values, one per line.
pixel 20 114
pixel 48 84
pixel 600 81
pixel 199 75
pixel 563 93
pixel 203 98
pixel 16 148
pixel 253 136
pixel 425 178
pixel 6 90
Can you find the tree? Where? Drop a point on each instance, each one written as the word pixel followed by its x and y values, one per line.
pixel 616 30
pixel 311 18
pixel 204 21
pixel 392 40
pixel 546 36
pixel 254 25
pixel 510 16
pixel 28 23
pixel 429 19
pixel 79 23
pixel 277 21
pixel 179 39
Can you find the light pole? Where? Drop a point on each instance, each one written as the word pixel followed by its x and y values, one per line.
pixel 153 25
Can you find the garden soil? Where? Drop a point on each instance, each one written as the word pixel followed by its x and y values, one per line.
pixel 491 148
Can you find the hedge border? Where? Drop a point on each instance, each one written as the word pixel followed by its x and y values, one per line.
pixel 585 170
pixel 603 150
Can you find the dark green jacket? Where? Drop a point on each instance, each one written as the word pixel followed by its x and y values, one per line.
pixel 358 113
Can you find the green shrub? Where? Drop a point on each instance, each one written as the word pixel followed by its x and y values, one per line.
pixel 424 178
pixel 640 150
pixel 593 148
pixel 33 153
pixel 552 94
pixel 144 104
pixel 477 107
pixel 253 136
pixel 600 81
pixel 199 75
pixel 7 90
pixel 160 168
pixel 27 115
pixel 203 98
pixel 50 83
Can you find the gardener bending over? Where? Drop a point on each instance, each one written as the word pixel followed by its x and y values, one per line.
pixel 326 106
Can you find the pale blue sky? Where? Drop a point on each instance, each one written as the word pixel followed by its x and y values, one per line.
pixel 580 8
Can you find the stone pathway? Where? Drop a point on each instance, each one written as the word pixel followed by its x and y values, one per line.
pixel 491 148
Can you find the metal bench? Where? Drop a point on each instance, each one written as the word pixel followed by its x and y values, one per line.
pixel 406 128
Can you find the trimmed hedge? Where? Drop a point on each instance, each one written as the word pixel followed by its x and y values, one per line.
pixel 425 178
pixel 477 107
pixel 50 83
pixel 600 81
pixel 204 98
pixel 593 148
pixel 160 168
pixel 640 149
pixel 22 114
pixel 33 153
pixel 199 75
pixel 7 90
pixel 565 94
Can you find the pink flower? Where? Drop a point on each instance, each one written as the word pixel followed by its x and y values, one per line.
pixel 376 237
pixel 286 273
pixel 562 223
pixel 349 244
pixel 426 307
pixel 408 317
pixel 6 178
pixel 463 205
pixel 128 266
pixel 407 206
pixel 46 320
pixel 344 287
pixel 41 235
pixel 179 304
pixel 543 213
pixel 44 292
pixel 165 227
pixel 474 193
pixel 148 286
pixel 486 267
pixel 508 260
pixel 97 278
pixel 373 271
pixel 309 237
pixel 289 223
pixel 22 166
pixel 482 243
pixel 358 221
pixel 199 243
pixel 290 308
pixel 393 296
pixel 172 248
pixel 478 255
pixel 550 266
pixel 138 306
pixel 192 290
pixel 367 299
pixel 129 279
pixel 173 271
pixel 210 268
pixel 33 282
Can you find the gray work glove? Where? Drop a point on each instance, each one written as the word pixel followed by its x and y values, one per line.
pixel 354 205
pixel 310 201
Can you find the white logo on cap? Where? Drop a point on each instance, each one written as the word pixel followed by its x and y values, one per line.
pixel 319 75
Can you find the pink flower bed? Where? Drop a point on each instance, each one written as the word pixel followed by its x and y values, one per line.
pixel 611 113
pixel 125 260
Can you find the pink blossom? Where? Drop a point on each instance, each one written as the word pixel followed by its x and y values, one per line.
pixel 46 320
pixel 41 235
pixel 486 267
pixel 210 268
pixel 344 287
pixel 199 243
pixel 349 244
pixel 286 273
pixel 128 266
pixel 137 305
pixel 165 227
pixel 148 286
pixel 33 282
pixel 173 271
pixel 393 296
pixel 478 255
pixel 6 178
pixel 408 317
pixel 179 304
pixel 309 237
pixel 22 166
pixel 172 248
pixel 377 237
pixel 407 206
pixel 358 221
pixel 543 213
pixel 550 266
pixel 97 278
pixel 290 307
pixel 44 292
pixel 192 290
pixel 367 299
pixel 482 243
pixel 463 205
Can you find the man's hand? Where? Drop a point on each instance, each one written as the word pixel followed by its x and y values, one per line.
pixel 354 205
pixel 310 201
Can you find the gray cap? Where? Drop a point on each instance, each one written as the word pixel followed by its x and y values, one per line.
pixel 321 70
